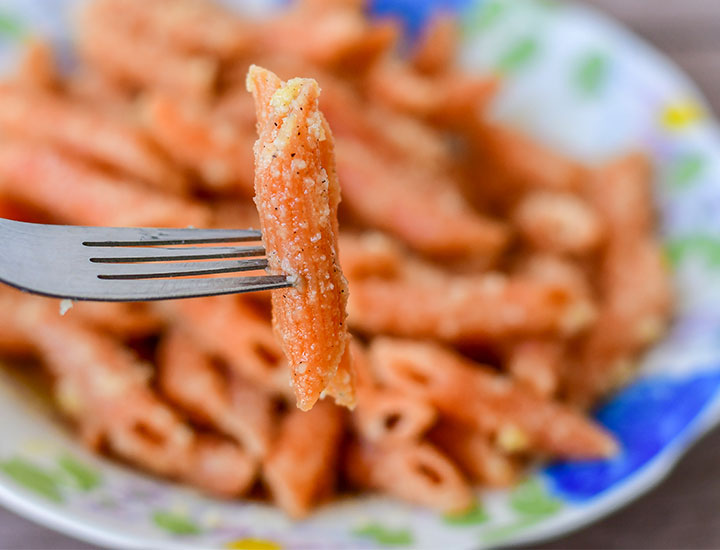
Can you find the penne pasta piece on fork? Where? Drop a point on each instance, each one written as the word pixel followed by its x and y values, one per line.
pixel 297 193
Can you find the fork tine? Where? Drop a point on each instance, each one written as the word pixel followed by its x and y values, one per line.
pixel 144 236
pixel 179 269
pixel 157 254
pixel 164 289
pixel 52 260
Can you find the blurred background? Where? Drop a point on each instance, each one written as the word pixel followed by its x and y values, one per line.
pixel 683 511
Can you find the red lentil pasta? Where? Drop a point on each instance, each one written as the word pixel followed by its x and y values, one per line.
pixel 495 290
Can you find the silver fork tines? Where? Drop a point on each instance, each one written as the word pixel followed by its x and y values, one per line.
pixel 130 264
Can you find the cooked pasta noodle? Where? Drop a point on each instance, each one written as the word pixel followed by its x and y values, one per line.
pixel 495 287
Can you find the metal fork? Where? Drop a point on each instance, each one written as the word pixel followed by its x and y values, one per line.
pixel 127 264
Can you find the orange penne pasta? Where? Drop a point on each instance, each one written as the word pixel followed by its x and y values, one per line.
pixel 15 210
pixel 468 393
pixel 46 118
pixel 525 162
pixel 448 99
pixel 337 38
pixel 634 277
pixel 362 43
pixel 186 25
pixel 300 469
pixel 330 5
pixel 14 340
pixel 558 222
pixel 370 254
pixel 633 314
pixel 96 90
pixel 475 454
pixel 364 377
pixel 464 241
pixel 135 59
pixel 52 182
pixel 123 320
pixel 405 141
pixel 398 86
pixel 436 50
pixel 297 194
pixel 220 467
pixel 235 331
pixel 218 150
pixel 466 308
pixel 230 213
pixel 553 269
pixel 636 294
pixel 393 136
pixel 236 105
pixel 385 416
pixel 621 194
pixel 416 472
pixel 637 290
pixel 37 69
pixel 231 405
pixel 342 385
pixel 105 390
pixel 536 365
pixel 429 216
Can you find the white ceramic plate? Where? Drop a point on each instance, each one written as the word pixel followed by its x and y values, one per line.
pixel 587 87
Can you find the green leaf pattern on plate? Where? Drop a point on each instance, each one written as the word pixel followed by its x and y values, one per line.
pixel 474 516
pixel 530 498
pixel 83 477
pixel 532 503
pixel 51 482
pixel 591 74
pixel 175 523
pixel 11 27
pixel 706 247
pixel 33 478
pixel 484 15
pixel 686 170
pixel 385 535
pixel 518 54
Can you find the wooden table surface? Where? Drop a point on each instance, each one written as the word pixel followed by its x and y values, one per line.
pixel 684 511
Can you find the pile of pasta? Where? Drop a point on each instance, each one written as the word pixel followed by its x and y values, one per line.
pixel 497 289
